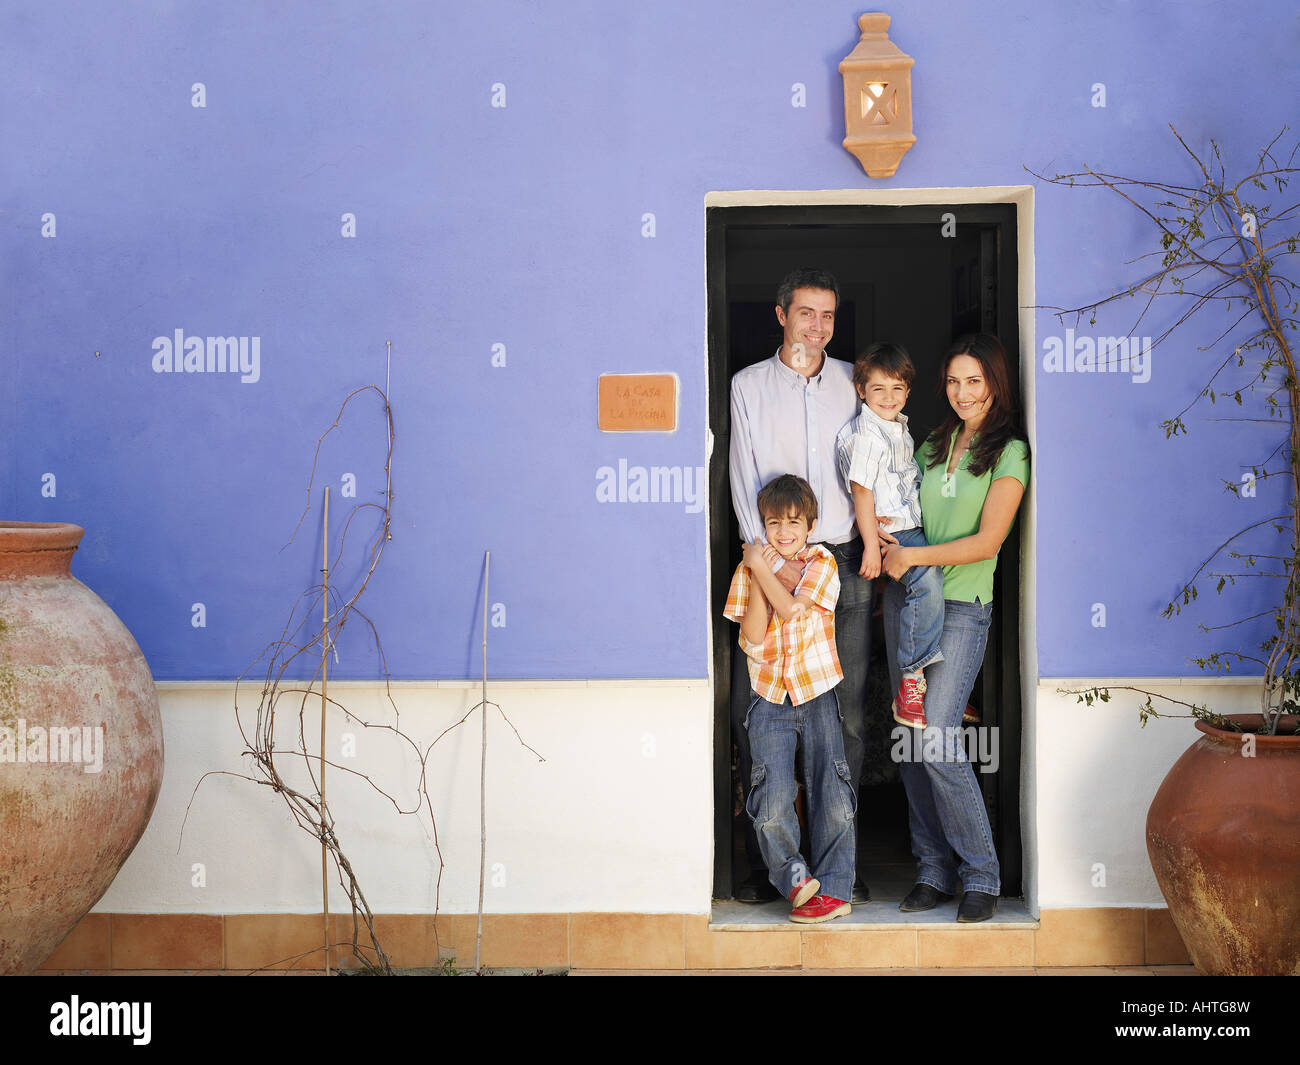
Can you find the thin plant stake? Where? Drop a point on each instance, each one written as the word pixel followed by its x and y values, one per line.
pixel 324 683
pixel 482 775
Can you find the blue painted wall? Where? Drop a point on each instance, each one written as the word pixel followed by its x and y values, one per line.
pixel 522 226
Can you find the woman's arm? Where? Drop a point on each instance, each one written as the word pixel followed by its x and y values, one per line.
pixel 999 512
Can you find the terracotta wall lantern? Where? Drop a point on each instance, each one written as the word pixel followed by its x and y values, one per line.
pixel 877 99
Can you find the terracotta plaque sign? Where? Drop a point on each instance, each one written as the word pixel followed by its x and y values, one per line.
pixel 637 403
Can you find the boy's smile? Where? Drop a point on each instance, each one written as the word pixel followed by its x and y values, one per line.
pixel 884 395
pixel 787 534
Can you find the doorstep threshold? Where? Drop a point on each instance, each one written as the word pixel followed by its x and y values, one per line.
pixel 732 916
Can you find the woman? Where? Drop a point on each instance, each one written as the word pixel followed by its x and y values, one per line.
pixel 976 468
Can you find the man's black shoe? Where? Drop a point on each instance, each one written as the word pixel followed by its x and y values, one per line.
pixel 861 893
pixel 923 897
pixel 757 889
pixel 976 906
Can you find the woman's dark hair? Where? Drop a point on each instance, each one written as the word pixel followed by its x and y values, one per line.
pixel 1002 422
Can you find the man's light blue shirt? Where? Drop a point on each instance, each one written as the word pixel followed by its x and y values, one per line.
pixel 782 422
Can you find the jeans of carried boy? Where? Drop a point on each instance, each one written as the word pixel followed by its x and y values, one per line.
pixel 920 622
pixel 774 732
pixel 951 836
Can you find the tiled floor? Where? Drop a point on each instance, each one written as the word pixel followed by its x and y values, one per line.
pixel 1077 970
pixel 180 972
pixel 1100 970
pixel 733 937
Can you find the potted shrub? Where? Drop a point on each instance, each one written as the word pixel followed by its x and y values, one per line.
pixel 1223 831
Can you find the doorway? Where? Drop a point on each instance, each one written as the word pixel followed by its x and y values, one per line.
pixel 915 275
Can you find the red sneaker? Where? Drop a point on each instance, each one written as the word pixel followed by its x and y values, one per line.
pixel 818 909
pixel 970 716
pixel 909 704
pixel 804 890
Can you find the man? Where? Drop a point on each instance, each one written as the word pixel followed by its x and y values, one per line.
pixel 785 414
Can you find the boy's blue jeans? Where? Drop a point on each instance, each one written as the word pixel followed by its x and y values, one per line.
pixel 774 731
pixel 920 622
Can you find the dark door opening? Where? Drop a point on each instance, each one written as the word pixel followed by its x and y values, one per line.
pixel 919 276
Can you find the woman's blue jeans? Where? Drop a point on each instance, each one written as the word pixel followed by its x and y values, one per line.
pixel 951 837
pixel 774 732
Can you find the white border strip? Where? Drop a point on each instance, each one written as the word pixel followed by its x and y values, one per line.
pixel 1162 682
pixel 253 685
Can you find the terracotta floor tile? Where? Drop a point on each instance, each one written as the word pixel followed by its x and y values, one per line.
pixel 539 940
pixel 628 941
pixel 687 972
pixel 974 946
pixel 739 950
pixel 275 940
pixel 87 946
pixel 1164 946
pixel 876 948
pixel 1090 937
pixel 408 940
pixel 456 938
pixel 168 941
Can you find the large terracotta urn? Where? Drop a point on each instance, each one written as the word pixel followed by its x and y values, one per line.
pixel 81 749
pixel 1223 835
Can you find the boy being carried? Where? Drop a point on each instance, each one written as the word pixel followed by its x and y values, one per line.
pixel 878 467
pixel 789 641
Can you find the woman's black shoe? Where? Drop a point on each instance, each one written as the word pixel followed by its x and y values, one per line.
pixel 923 897
pixel 757 889
pixel 976 906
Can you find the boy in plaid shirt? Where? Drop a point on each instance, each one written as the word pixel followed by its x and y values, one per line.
pixel 789 641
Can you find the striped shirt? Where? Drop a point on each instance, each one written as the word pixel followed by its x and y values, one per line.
pixel 782 422
pixel 878 455
pixel 796 656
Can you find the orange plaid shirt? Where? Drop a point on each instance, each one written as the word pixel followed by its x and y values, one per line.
pixel 796 656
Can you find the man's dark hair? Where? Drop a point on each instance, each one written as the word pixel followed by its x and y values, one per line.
pixel 806 277
pixel 890 359
pixel 787 493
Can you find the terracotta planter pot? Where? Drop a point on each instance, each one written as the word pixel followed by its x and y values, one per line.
pixel 1223 835
pixel 81 752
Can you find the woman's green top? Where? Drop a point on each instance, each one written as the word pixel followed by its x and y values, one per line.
pixel 951 507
